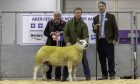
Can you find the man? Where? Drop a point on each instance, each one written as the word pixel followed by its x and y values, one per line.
pixel 77 28
pixel 106 24
pixel 53 31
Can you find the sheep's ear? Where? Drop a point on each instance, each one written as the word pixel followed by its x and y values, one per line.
pixel 87 39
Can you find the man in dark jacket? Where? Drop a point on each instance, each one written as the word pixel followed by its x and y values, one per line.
pixel 53 31
pixel 106 24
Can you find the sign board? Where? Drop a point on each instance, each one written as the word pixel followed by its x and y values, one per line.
pixel 33 25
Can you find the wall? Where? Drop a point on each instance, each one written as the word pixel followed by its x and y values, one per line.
pixel 112 5
pixel 28 5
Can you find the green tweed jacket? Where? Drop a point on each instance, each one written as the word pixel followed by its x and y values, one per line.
pixel 74 30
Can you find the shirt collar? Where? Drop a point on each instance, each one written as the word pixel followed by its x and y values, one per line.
pixel 103 13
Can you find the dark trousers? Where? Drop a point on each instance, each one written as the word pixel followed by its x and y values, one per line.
pixel 106 55
pixel 65 73
pixel 85 67
pixel 57 73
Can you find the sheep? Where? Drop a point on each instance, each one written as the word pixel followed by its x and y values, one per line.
pixel 69 56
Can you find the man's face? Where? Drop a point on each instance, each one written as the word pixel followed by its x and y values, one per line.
pixel 101 8
pixel 78 14
pixel 57 18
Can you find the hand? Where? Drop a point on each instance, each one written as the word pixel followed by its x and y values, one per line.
pixel 96 26
pixel 68 44
pixel 61 32
pixel 52 33
pixel 54 37
pixel 57 33
pixel 115 42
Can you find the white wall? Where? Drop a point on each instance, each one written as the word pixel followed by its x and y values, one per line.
pixel 28 5
pixel 112 5
pixel 130 5
pixel 87 5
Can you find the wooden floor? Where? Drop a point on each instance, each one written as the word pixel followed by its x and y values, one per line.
pixel 116 81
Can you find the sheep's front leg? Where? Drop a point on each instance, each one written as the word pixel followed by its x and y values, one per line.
pixel 69 64
pixel 74 72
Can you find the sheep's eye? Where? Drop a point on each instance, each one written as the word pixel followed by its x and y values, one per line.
pixel 80 42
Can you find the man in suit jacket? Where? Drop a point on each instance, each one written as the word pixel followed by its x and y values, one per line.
pixel 107 28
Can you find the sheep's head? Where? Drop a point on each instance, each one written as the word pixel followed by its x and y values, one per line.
pixel 83 43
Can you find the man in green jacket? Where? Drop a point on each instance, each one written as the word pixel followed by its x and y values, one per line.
pixel 77 28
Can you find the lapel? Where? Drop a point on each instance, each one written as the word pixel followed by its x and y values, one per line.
pixel 106 20
pixel 97 19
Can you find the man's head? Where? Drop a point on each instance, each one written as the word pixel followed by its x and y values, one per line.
pixel 57 16
pixel 77 13
pixel 102 6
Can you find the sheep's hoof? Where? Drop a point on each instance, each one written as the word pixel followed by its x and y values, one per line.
pixel 34 80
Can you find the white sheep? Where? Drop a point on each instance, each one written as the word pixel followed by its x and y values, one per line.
pixel 69 56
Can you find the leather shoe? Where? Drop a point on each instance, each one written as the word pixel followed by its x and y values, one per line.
pixel 88 78
pixel 112 77
pixel 103 78
pixel 58 79
pixel 64 79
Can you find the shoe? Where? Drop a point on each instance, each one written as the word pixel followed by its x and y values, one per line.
pixel 126 77
pixel 49 79
pixel 64 79
pixel 88 78
pixel 112 77
pixel 58 79
pixel 103 78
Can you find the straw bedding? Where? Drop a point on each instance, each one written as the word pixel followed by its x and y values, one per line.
pixel 75 82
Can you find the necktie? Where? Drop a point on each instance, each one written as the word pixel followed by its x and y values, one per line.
pixel 101 31
pixel 101 20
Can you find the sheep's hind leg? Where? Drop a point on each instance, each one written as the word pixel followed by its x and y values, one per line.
pixel 35 72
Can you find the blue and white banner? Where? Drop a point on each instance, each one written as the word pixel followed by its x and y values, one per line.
pixel 33 25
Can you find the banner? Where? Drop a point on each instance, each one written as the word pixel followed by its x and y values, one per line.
pixel 33 25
